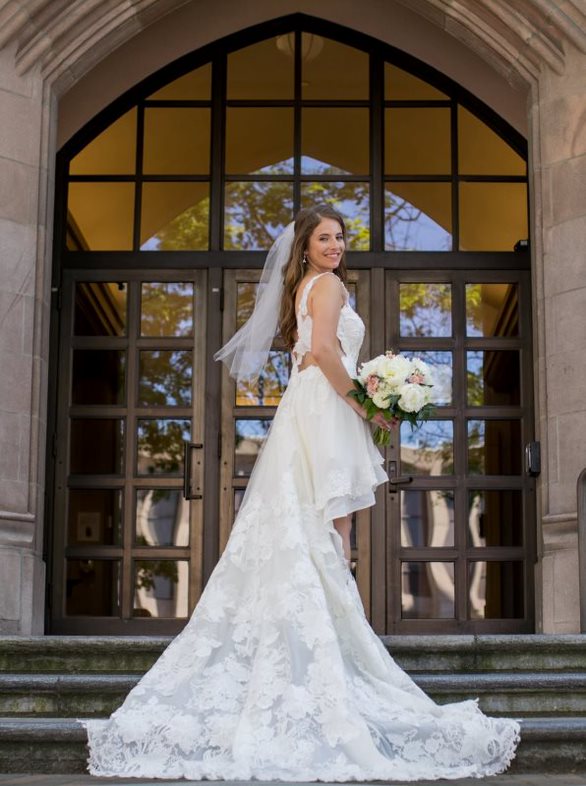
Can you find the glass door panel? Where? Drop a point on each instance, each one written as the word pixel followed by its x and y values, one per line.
pixel 459 504
pixel 129 552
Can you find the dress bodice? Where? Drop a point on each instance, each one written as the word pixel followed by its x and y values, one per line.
pixel 350 329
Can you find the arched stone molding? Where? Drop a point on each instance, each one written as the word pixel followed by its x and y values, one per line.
pixel 57 36
pixel 47 46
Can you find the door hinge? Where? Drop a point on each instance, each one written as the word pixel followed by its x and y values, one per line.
pixel 57 294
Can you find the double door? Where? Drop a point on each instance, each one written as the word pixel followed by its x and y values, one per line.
pixel 145 490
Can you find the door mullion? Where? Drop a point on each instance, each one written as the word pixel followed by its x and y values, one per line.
pixel 459 389
pixel 130 453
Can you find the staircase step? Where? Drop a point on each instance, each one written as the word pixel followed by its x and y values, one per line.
pixel 57 745
pixel 527 694
pixel 443 654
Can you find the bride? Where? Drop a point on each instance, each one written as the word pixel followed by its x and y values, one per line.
pixel 278 675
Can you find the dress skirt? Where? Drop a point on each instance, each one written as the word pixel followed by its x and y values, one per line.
pixel 278 675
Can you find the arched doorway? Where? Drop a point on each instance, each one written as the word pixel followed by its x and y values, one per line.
pixel 167 200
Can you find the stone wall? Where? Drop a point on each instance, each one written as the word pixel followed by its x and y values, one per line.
pixel 23 355
pixel 558 121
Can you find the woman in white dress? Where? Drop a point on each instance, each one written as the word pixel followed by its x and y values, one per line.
pixel 278 674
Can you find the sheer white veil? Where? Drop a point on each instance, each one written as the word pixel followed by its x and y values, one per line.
pixel 247 351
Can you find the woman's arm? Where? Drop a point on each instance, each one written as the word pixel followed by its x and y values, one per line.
pixel 326 301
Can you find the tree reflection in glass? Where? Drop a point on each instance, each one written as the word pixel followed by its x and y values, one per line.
pixel 175 217
pixel 270 386
pixel 352 200
pixel 160 588
pixel 255 214
pixel 425 309
pixel 167 308
pixel 165 378
pixel 160 445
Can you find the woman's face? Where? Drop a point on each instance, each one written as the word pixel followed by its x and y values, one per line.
pixel 326 245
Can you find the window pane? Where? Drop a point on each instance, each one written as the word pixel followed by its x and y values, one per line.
pixel 418 217
pixel 249 436
pixel 428 449
pixel 94 517
pixel 335 141
pixel 113 152
pixel 166 308
pixel 194 86
pixel 441 364
pixel 493 216
pixel 352 200
pixel 259 140
pixel 245 297
pixel 493 378
pixel 494 447
pixel 96 446
pixel 162 518
pixel 161 588
pixel 175 217
pixel 496 590
pixel 164 378
pixel 332 70
pixel 256 213
pixel 427 518
pixel 425 309
pixel 100 308
pixel 483 152
pixel 100 216
pixel 98 376
pixel 402 86
pixel 417 141
pixel 92 588
pixel 270 386
pixel 263 70
pixel 427 590
pixel 176 141
pixel 492 310
pixel 495 518
pixel 160 445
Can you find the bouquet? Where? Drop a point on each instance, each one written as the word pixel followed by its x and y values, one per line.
pixel 399 387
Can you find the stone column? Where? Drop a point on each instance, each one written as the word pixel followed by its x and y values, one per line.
pixel 23 321
pixel 558 119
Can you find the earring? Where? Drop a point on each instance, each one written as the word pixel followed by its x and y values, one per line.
pixel 305 258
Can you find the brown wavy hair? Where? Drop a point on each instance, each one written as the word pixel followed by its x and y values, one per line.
pixel 294 271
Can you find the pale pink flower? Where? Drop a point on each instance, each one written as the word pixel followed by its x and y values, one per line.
pixel 416 379
pixel 372 384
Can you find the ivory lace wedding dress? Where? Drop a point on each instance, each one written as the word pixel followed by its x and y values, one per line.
pixel 278 674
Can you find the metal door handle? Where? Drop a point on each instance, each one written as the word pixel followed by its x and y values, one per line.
pixel 397 480
pixel 188 448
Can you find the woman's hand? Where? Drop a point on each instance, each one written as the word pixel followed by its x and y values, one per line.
pixel 380 420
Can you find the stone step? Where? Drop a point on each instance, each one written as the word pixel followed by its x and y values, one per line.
pixel 57 745
pixel 442 654
pixel 499 693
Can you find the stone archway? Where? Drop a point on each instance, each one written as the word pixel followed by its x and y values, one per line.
pixel 46 49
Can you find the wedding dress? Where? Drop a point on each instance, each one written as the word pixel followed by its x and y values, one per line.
pixel 278 674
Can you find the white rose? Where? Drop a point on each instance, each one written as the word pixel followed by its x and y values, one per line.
pixel 366 369
pixel 413 397
pixel 396 370
pixel 421 367
pixel 380 398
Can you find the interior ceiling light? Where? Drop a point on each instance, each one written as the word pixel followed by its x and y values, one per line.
pixel 311 45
